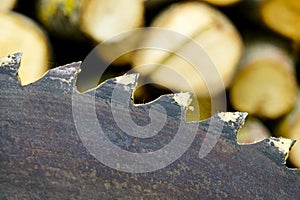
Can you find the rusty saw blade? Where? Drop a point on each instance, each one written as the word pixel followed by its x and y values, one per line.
pixel 56 143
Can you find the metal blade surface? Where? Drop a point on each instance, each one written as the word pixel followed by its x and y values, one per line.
pixel 56 143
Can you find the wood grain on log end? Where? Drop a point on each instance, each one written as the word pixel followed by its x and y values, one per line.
pixel 283 16
pixel 6 5
pixel 214 34
pixel 265 84
pixel 19 33
pixel 103 19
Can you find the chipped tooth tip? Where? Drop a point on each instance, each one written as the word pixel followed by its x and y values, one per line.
pixel 69 69
pixel 232 116
pixel 183 99
pixel 12 60
pixel 127 79
pixel 65 73
pixel 284 145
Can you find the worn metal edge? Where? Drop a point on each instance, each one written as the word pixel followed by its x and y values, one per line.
pixel 68 74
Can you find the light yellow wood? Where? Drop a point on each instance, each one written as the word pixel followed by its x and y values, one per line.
pixel 222 2
pixel 18 33
pixel 6 5
pixel 104 19
pixel 210 29
pixel 97 19
pixel 265 84
pixel 283 16
pixel 289 127
pixel 61 17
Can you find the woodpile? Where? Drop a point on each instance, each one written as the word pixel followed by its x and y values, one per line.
pixel 256 60
pixel 203 24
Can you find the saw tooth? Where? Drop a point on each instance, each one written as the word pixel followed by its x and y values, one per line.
pixel 283 145
pixel 233 121
pixel 67 72
pixel 128 81
pixel 183 99
pixel 125 85
pixel 225 125
pixel 118 90
pixel 11 63
pixel 64 76
pixel 234 117
pixel 122 93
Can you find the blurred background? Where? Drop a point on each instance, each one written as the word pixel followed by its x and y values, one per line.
pixel 254 45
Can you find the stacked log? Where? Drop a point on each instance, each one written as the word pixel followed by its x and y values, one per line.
pixel 99 20
pixel 19 33
pixel 265 83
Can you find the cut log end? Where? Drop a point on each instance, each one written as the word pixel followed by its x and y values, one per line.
pixel 102 19
pixel 20 34
pixel 264 89
pixel 213 33
pixel 6 5
pixel 99 20
pixel 283 16
pixel 265 84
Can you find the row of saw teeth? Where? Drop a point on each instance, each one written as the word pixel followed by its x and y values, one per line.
pixel 68 74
